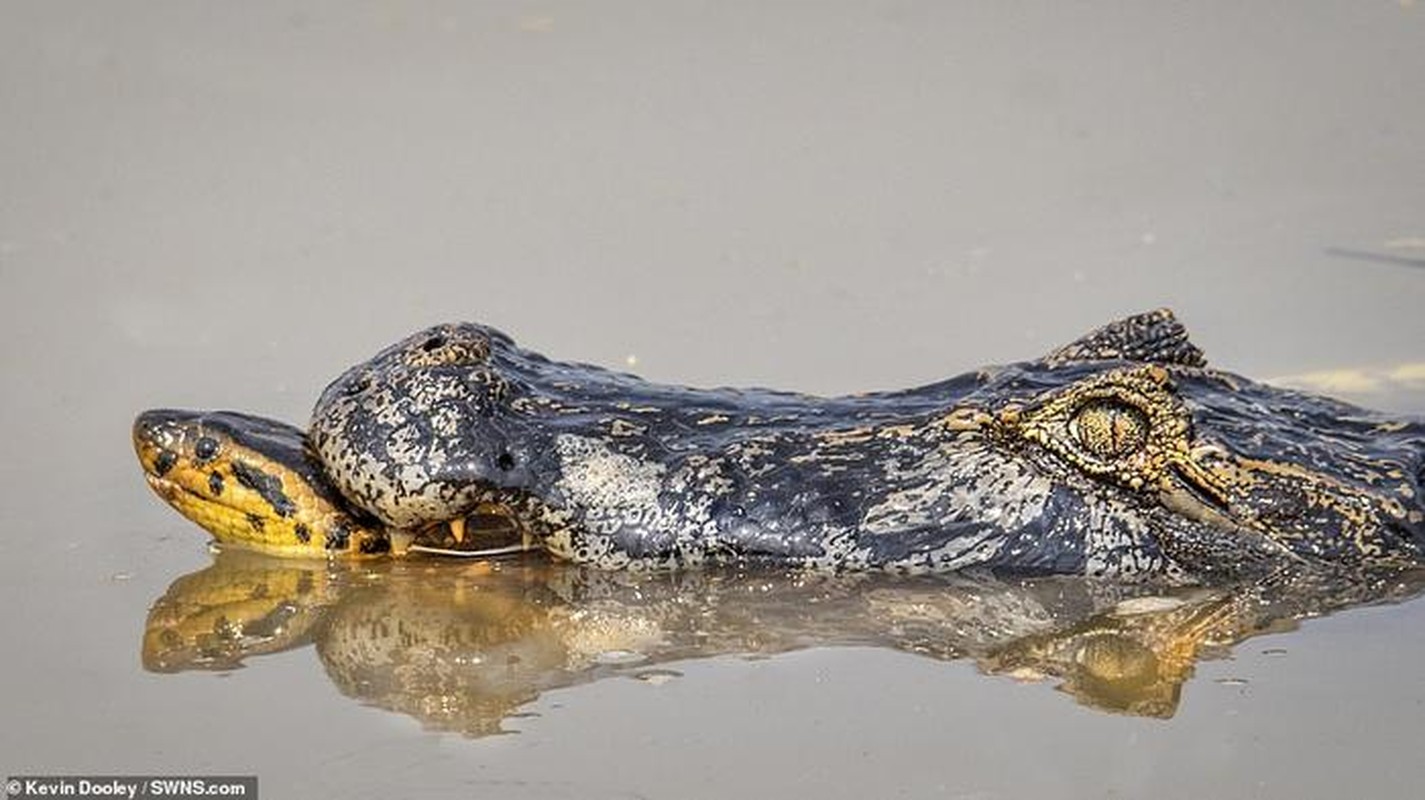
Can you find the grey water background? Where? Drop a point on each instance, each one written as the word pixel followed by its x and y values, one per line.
pixel 223 205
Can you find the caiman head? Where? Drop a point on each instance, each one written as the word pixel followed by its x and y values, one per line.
pixel 1229 475
pixel 1120 453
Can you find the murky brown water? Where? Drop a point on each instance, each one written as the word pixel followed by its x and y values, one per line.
pixel 205 206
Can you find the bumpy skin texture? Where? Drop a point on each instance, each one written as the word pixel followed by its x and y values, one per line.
pixel 1120 454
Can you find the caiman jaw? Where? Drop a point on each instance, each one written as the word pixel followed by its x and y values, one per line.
pixel 245 480
pixel 1319 515
pixel 490 529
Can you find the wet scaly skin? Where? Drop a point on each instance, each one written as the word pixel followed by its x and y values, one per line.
pixel 1119 455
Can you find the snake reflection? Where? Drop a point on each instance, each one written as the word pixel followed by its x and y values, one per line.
pixel 464 646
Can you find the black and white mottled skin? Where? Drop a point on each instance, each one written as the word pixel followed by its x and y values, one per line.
pixel 1120 454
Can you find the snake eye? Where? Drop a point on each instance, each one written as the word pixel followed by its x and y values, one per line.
pixel 1109 429
pixel 205 449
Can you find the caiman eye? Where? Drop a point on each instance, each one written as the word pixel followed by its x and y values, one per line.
pixel 1125 426
pixel 1109 429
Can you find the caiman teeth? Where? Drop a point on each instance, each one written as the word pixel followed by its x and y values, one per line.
pixel 457 529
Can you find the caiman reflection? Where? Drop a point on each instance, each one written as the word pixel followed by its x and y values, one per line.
pixel 463 646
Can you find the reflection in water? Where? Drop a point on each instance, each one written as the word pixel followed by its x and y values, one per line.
pixel 461 646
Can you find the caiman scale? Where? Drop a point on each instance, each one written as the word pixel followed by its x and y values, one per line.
pixel 1121 454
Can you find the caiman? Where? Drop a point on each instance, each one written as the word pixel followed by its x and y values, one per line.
pixel 1121 454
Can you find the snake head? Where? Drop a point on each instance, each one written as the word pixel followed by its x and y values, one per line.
pixel 249 481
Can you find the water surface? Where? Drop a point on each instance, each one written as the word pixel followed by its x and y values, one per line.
pixel 226 206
